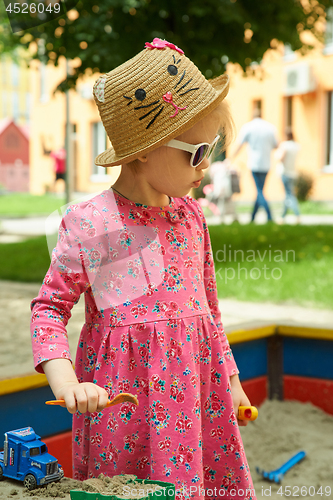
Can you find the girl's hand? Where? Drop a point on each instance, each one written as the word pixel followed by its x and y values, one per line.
pixel 84 397
pixel 239 397
pixel 65 385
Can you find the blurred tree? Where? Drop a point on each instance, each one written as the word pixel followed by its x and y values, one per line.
pixel 211 32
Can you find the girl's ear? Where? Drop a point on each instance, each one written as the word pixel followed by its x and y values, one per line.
pixel 143 159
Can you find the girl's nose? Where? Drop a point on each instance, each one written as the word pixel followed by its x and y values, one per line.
pixel 204 164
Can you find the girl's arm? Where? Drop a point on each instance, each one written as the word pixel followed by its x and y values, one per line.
pixel 239 397
pixel 65 281
pixel 80 397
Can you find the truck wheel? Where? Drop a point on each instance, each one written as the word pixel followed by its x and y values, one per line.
pixel 30 482
pixel 1 473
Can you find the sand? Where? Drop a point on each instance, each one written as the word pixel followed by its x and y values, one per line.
pixel 15 352
pixel 117 486
pixel 281 430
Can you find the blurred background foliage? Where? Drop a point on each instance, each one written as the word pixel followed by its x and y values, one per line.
pixel 105 34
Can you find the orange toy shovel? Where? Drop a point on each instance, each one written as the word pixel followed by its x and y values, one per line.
pixel 120 398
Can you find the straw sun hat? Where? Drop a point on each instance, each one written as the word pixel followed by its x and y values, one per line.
pixel 152 98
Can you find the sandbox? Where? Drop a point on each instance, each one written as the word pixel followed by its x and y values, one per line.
pixel 282 429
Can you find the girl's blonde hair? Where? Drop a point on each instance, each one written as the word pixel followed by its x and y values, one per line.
pixel 227 125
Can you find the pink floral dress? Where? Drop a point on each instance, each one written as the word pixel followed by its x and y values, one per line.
pixel 152 328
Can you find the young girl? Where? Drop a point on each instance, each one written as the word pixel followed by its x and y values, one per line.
pixel 140 252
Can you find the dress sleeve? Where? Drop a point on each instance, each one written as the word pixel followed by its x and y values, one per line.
pixel 211 294
pixel 74 264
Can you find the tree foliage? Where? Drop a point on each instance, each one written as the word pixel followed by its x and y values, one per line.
pixel 105 34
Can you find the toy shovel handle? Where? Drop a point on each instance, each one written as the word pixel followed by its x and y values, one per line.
pixel 292 461
pixel 247 412
pixel 120 398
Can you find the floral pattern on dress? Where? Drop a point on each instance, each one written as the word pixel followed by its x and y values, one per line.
pixel 153 328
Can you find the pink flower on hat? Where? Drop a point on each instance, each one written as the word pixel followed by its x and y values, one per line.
pixel 157 43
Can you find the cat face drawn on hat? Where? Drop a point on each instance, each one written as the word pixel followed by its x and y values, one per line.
pixel 162 90
pixel 141 95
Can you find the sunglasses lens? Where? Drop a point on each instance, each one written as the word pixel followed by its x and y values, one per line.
pixel 200 154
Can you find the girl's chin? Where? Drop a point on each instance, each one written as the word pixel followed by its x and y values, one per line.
pixel 180 193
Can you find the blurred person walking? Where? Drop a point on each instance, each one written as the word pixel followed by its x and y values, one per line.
pixel 261 138
pixel 225 182
pixel 286 154
pixel 59 166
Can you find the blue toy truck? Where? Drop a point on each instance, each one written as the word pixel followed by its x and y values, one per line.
pixel 26 459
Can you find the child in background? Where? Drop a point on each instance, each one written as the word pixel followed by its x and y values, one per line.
pixel 140 253
pixel 287 154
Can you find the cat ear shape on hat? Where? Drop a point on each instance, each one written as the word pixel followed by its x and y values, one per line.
pixel 99 87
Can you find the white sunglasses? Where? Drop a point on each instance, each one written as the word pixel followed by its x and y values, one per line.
pixel 199 151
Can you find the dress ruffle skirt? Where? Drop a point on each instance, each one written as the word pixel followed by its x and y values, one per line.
pixel 184 429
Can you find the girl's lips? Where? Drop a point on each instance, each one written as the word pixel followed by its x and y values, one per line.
pixel 197 183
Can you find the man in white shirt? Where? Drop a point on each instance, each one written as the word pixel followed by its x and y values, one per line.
pixel 261 138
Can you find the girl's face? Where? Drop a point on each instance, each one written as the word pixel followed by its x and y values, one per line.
pixel 168 171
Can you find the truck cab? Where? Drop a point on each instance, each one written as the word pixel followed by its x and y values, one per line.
pixel 25 458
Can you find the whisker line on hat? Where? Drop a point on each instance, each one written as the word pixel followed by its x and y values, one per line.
pixel 184 85
pixel 130 99
pixel 157 114
pixel 189 90
pixel 147 105
pixel 181 78
pixel 144 116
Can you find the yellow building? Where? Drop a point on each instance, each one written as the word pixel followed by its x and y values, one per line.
pixel 15 91
pixel 48 128
pixel 291 90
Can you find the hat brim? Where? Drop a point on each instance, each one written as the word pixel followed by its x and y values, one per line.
pixel 109 158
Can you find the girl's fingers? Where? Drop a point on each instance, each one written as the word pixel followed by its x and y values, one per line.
pixel 71 402
pixel 85 397
pixel 102 400
pixel 96 398
pixel 242 423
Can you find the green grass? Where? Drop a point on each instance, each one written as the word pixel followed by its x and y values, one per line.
pixel 24 204
pixel 26 261
pixel 316 207
pixel 301 256
pixel 306 207
pixel 298 260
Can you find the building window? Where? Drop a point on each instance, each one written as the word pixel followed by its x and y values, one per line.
pixel 329 136
pixel 12 141
pixel 15 70
pixel 28 100
pixel 99 145
pixel 4 111
pixel 43 97
pixel 257 107
pixel 3 70
pixel 15 106
pixel 328 49
pixel 288 121
pixel 288 54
